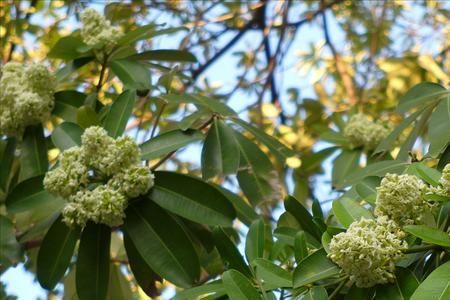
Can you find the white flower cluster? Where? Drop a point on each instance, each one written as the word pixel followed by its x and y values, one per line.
pixel 368 251
pixel 444 188
pixel 97 32
pixel 401 198
pixel 26 97
pixel 98 178
pixel 361 131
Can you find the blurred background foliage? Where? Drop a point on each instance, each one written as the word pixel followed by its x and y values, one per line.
pixel 363 56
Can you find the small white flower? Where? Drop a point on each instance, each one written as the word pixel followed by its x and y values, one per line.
pixel 98 32
pixel 368 250
pixel 361 131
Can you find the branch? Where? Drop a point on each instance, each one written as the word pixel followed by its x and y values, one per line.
pixel 313 15
pixel 340 67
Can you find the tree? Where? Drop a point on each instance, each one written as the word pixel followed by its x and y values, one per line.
pixel 97 193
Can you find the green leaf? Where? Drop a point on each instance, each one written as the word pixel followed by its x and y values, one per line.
pixel 429 175
pixel 238 287
pixel 133 74
pixel 65 72
pixel 256 175
pixel 315 159
pixel 376 169
pixel 405 283
pixel 220 154
pixel 165 55
pixel 303 217
pixel 278 149
pixel 346 162
pixel 67 135
pixel 192 199
pixel 214 288
pixel 87 117
pixel 315 293
pixel 389 142
pixel 68 48
pixel 92 275
pixel 121 109
pixel 10 252
pixel 367 189
pixel 162 242
pixel 211 104
pixel 55 253
pixel 439 124
pixel 422 94
pixel 168 142
pixel 348 211
pixel 245 212
pixel 28 195
pixel 143 274
pixel 272 275
pixel 229 252
pixel 436 286
pixel 67 104
pixel 6 161
pixel 334 137
pixel 259 241
pixel 313 268
pixel 356 293
pixel 34 160
pixel 300 246
pixel 429 234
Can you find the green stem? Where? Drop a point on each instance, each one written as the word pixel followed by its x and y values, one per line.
pixel 338 289
pixel 421 249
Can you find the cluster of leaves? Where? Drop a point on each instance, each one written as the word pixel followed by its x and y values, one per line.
pixel 182 230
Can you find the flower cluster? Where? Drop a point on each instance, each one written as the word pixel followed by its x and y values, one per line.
pixel 98 178
pixel 361 131
pixel 97 32
pixel 26 97
pixel 368 251
pixel 401 199
pixel 444 188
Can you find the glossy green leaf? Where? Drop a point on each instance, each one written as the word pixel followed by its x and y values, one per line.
pixel 68 48
pixel 405 283
pixel 272 275
pixel 334 137
pixel 133 74
pixel 313 268
pixel 67 104
pixel 300 246
pixel 376 169
pixel 10 251
pixel 348 211
pixel 92 275
pixel 214 288
pixel 7 155
pixel 429 234
pixel 143 274
pixel 238 287
pixel 429 175
pixel 220 154
pixel 438 132
pixel 345 163
pixel 55 253
pixel 121 109
pixel 259 241
pixel 425 93
pixel 192 199
pixel 356 293
pixel 315 293
pixel 315 159
pixel 436 286
pixel 65 72
pixel 367 189
pixel 168 142
pixel 34 160
pixel 67 135
pixel 165 55
pixel 229 252
pixel 28 195
pixel 256 175
pixel 277 148
pixel 303 216
pixel 244 211
pixel 162 242
pixel 87 117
